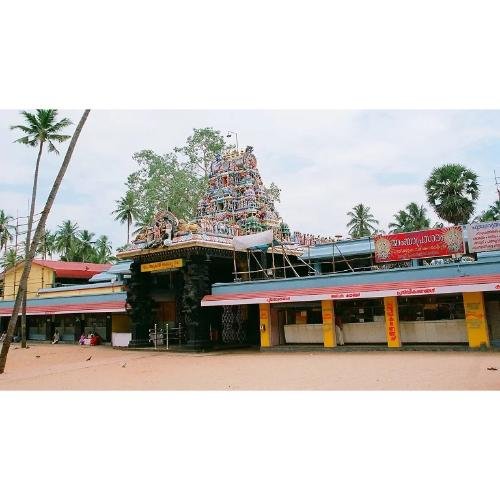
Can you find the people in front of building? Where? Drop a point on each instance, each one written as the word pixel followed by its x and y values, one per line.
pixel 56 338
pixel 339 330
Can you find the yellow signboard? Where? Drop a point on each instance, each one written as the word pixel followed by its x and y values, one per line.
pixel 392 321
pixel 163 265
pixel 328 323
pixel 475 319
pixel 265 325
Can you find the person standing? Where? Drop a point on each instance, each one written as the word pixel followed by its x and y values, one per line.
pixel 339 330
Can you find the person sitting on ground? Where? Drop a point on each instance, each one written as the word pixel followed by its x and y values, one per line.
pixel 95 339
pixel 82 339
pixel 56 337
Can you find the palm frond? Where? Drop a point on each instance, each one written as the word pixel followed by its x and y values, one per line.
pixel 30 141
pixel 52 148
pixel 58 137
pixel 65 122
pixel 31 119
pixel 25 129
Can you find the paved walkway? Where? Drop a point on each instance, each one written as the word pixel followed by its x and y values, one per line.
pixel 69 367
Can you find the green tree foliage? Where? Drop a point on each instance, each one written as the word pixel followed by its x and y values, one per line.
pixel 452 190
pixel 162 182
pixel 175 181
pixel 40 128
pixel 47 246
pixel 361 221
pixel 492 213
pixel 75 245
pixel 84 247
pixel 66 239
pixel 413 218
pixel 6 230
pixel 200 150
pixel 127 210
pixel 10 258
pixel 103 250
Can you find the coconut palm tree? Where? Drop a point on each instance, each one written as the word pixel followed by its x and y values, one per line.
pixel 66 239
pixel 452 190
pixel 104 250
pixel 401 223
pixel 39 128
pixel 491 213
pixel 10 258
pixel 361 222
pixel 413 218
pixel 47 245
pixel 84 250
pixel 36 239
pixel 5 230
pixel 127 210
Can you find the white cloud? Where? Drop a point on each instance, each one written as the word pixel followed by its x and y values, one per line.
pixel 324 161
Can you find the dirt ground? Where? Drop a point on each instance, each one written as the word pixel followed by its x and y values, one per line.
pixel 54 367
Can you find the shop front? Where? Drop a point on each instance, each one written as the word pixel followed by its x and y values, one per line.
pixel 492 303
pixel 299 323
pixel 361 321
pixel 435 319
pixel 396 307
pixel 71 316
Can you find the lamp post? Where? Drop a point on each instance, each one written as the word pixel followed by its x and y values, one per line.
pixel 230 134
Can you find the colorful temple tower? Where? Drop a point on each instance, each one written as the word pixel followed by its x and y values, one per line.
pixel 236 201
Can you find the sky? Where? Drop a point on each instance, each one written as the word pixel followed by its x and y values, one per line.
pixel 324 161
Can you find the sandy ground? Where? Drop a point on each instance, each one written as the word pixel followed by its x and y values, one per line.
pixel 56 367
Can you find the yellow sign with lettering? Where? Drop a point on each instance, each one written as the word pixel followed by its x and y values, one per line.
pixel 265 325
pixel 475 319
pixel 163 265
pixel 328 314
pixel 392 321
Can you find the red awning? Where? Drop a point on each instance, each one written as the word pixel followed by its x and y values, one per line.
pixel 372 290
pixel 93 307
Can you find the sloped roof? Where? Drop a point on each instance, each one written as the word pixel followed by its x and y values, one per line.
pixel 113 302
pixel 72 269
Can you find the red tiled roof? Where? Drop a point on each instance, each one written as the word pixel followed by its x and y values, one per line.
pixel 72 269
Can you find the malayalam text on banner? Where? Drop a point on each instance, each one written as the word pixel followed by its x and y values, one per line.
pixel 163 265
pixel 484 236
pixel 419 244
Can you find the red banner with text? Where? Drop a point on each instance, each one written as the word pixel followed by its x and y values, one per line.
pixel 419 244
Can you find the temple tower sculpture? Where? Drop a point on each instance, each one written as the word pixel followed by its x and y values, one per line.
pixel 236 201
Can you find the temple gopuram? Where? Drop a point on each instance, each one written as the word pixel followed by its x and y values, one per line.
pixel 175 262
pixel 236 201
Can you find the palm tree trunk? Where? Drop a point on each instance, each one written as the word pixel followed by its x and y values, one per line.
pixel 36 239
pixel 128 229
pixel 28 240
